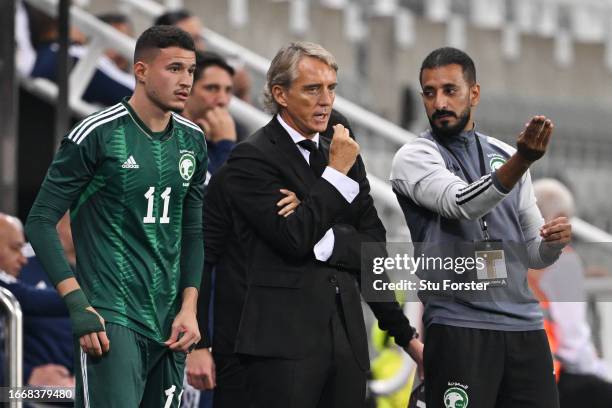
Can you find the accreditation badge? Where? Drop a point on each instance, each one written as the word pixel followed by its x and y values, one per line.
pixel 491 262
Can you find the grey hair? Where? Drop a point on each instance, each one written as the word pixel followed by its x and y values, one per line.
pixel 283 69
pixel 554 199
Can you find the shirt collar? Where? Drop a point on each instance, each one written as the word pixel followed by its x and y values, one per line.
pixel 295 135
pixel 6 278
pixel 465 137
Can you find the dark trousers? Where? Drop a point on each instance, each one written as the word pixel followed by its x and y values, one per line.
pixel 488 369
pixel 330 377
pixel 231 389
pixel 581 390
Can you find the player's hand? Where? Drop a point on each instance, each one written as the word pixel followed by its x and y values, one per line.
pixel 185 332
pixel 95 343
pixel 415 351
pixel 200 369
pixel 343 150
pixel 288 203
pixel 221 125
pixel 557 233
pixel 533 141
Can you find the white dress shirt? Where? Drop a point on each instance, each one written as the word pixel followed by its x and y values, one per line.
pixel 348 187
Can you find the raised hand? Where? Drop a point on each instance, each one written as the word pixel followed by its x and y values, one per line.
pixel 533 141
pixel 343 150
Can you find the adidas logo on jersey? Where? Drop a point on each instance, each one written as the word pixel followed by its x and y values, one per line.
pixel 130 163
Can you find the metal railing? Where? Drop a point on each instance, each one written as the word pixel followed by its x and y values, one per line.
pixel 13 372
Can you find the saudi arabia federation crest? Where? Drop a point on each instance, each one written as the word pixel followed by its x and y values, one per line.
pixel 496 162
pixel 187 165
pixel 455 397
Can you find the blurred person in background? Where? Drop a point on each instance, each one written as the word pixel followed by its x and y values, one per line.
pixel 109 83
pixel 243 83
pixel 192 24
pixel 44 29
pixel 583 377
pixel 121 23
pixel 25 54
pixel 47 341
pixel 187 22
pixel 207 106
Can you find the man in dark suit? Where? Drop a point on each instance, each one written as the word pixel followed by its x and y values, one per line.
pixel 301 335
pixel 225 232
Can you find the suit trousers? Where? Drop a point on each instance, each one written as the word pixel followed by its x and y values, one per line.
pixel 231 389
pixel 330 377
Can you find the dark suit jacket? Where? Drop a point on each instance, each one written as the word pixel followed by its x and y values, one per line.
pixel 291 295
pixel 225 231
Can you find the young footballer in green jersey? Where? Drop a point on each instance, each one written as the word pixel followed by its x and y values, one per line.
pixel 132 176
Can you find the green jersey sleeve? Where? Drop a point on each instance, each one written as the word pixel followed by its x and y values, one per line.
pixel 192 250
pixel 70 172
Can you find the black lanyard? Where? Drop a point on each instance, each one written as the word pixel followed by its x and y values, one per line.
pixel 483 172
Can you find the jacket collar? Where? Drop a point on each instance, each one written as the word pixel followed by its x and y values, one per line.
pixel 289 156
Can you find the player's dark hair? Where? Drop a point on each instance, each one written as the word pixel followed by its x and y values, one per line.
pixel 173 17
pixel 205 59
pixel 114 18
pixel 446 56
pixel 163 36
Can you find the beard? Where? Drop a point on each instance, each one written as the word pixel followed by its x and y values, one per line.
pixel 445 130
pixel 166 107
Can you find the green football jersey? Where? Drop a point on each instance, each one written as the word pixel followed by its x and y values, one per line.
pixel 136 203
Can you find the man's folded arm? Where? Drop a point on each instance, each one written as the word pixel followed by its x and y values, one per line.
pixel 254 187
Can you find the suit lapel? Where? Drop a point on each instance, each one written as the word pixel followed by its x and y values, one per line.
pixel 289 156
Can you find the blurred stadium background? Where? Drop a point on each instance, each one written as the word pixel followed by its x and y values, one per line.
pixel 551 57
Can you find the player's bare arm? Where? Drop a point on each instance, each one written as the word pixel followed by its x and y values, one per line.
pixel 185 332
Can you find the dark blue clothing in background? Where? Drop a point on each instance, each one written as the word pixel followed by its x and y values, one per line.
pixel 218 154
pixel 102 89
pixel 47 332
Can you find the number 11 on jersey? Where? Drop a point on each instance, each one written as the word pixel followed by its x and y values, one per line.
pixel 150 196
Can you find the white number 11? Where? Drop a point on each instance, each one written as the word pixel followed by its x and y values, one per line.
pixel 170 394
pixel 150 196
